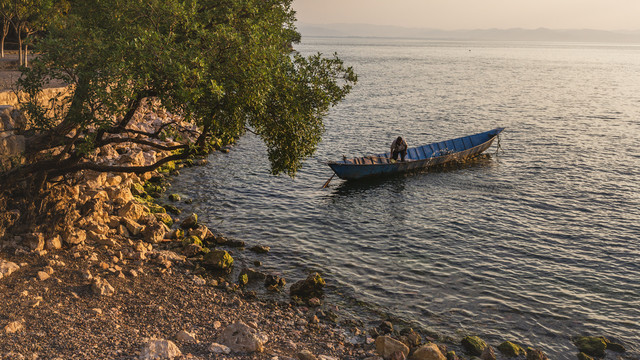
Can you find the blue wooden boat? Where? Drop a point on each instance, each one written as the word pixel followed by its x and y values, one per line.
pixel 417 158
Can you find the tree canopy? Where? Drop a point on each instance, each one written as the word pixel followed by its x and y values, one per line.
pixel 225 65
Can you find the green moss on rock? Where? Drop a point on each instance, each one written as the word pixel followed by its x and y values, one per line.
pixel 583 356
pixel 591 345
pixel 510 349
pixel 218 259
pixel 174 197
pixel 172 209
pixel 473 345
pixel 138 190
pixel 192 240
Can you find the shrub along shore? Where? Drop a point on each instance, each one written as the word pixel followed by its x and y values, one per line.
pixel 109 271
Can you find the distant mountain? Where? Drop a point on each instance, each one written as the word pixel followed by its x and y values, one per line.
pixel 542 34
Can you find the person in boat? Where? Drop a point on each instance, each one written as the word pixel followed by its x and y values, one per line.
pixel 398 146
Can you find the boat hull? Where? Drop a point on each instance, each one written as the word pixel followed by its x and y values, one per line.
pixel 435 154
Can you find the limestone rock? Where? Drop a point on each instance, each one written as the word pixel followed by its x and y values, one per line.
pixel 159 349
pixel 187 337
pixel 473 345
pixel 219 349
pixel 132 226
pixel 240 337
pixel 75 236
pixel 35 241
pixel 42 276
pixel 53 243
pixel 218 259
pixel 510 349
pixel 308 288
pixel 387 346
pixel 14 327
pixel 132 210
pixel 199 230
pixel 154 232
pixel 7 267
pixel 428 352
pixel 102 287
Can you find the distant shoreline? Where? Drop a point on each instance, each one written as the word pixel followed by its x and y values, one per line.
pixel 542 34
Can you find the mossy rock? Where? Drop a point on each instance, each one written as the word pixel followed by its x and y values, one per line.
pixel 511 350
pixel 616 347
pixel 473 345
pixel 310 287
pixel 174 197
pixel 155 208
pixel 138 190
pixel 218 259
pixel 591 345
pixel 167 168
pixel 451 355
pixel 192 240
pixel 583 356
pixel 165 218
pixel 243 279
pixel 172 209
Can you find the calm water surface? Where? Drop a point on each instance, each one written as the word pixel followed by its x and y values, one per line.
pixel 535 245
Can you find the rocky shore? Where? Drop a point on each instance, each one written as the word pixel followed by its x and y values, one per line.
pixel 112 272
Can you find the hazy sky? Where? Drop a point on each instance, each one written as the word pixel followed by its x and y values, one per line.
pixel 475 14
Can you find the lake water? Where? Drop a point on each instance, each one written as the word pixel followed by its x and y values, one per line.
pixel 534 245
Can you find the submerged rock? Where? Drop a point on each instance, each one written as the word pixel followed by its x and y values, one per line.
pixel 310 287
pixel 473 345
pixel 535 354
pixel 510 349
pixel 591 345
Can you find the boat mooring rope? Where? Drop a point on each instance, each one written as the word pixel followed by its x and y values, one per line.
pixel 498 145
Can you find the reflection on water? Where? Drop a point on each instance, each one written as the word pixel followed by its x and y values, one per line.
pixel 535 245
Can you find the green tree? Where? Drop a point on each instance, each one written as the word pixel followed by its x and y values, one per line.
pixel 30 17
pixel 224 64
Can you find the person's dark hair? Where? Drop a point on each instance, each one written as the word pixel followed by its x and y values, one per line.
pixel 399 139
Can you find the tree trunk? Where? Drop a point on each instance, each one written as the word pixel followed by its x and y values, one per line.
pixel 26 55
pixel 20 46
pixel 3 37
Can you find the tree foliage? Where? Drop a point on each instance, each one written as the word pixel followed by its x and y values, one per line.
pixel 224 64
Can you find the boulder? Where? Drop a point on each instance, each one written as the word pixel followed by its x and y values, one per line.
pixel 159 349
pixel 218 259
pixel 473 345
pixel 591 345
pixel 132 210
pixel 428 352
pixel 240 337
pixel 386 346
pixel 200 231
pixel 7 267
pixel 310 287
pixel 511 350
pixel 306 355
pixel 118 193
